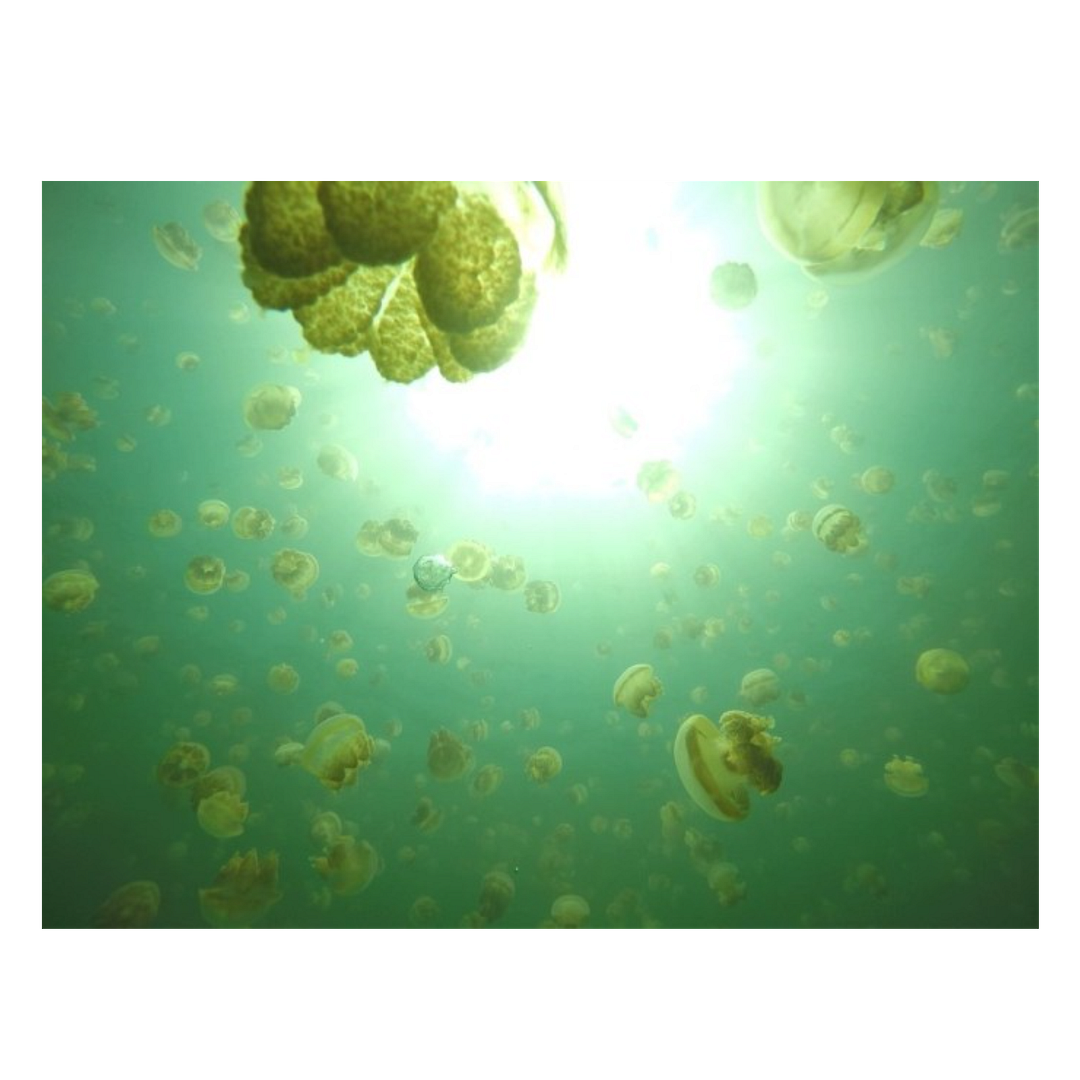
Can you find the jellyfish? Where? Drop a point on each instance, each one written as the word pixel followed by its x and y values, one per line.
pixel 248 523
pixel 658 480
pixel 846 229
pixel 904 776
pixel 69 591
pixel 682 505
pixel 164 524
pixel 570 911
pixel 396 538
pixel 348 866
pixel 433 572
pixel 213 513
pixel 839 530
pixel 205 574
pixel 271 407
pixel 448 758
pixel 943 671
pixel 295 570
pixel 707 576
pixel 439 649
pixel 733 286
pixel 470 559
pixel 283 679
pixel 222 221
pixel 1016 775
pixel 636 689
pixel 183 764
pixel 288 753
pixel 337 750
pixel 243 892
pixel 176 246
pixel 487 780
pixel 427 817
pixel 496 891
pixel 541 597
pixel 133 906
pixel 337 463
pixel 222 814
pixel 1020 229
pixel 326 828
pixel 760 686
pixel 543 765
pixel 877 480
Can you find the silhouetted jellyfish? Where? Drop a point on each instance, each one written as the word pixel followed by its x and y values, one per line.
pixel 348 866
pixel 176 246
pixel 733 286
pixel 543 765
pixel 270 407
pixel 337 750
pixel 943 671
pixel 707 576
pixel 326 827
pixel 1016 775
pixel 570 911
pixel 448 758
pixel 1020 229
pixel 243 892
pixel 433 572
pixel 69 591
pixel 636 689
pixel 427 817
pixel 682 505
pixel 205 574
pixel 904 776
pixel 133 906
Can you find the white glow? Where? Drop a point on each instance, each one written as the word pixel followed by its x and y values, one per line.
pixel 628 329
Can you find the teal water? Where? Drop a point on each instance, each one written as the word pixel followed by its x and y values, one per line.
pixel 833 846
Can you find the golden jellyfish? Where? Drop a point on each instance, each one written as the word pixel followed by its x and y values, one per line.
pixel 682 505
pixel 487 780
pixel 425 911
pixel 164 524
pixel 438 649
pixel 248 523
pixel 851 758
pixel 542 597
pixel 943 671
pixel 337 463
pixel 338 641
pixel 294 527
pixel 80 529
pixel 176 246
pixel 396 537
pixel 529 718
pixel 944 228
pixel 543 765
pixel 658 480
pixel 133 906
pixel 187 361
pixel 283 679
pixel 326 828
pixel 427 817
pixel 347 668
pixel 718 763
pixel 733 286
pixel 337 750
pixel 471 560
pixel 69 415
pixel 760 526
pixel 839 529
pixel 290 477
pixel 295 570
pixel 725 883
pixel 288 753
pixel 846 229
pixel 348 866
pixel 424 605
pixel 205 574
pixel 904 776
pixel 507 573
pixel 222 221
pixel 213 513
pixel 223 685
pixel 877 480
pixel 570 911
pixel 271 406
pixel 707 576
pixel 222 814
pixel 496 891
pixel 243 892
pixel 237 580
pixel 448 758
pixel 1016 775
pixel 760 686
pixel 183 764
pixel 636 689
pixel 69 591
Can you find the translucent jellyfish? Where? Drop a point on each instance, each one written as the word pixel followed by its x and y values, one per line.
pixel 496 891
pixel 439 649
pixel 448 758
pixel 839 529
pixel 69 591
pixel 187 361
pixel 717 764
pixel 636 689
pixel 725 883
pixel 348 866
pixel 846 229
pixel 213 513
pixel 904 776
pixel 1016 775
pixel 295 570
pixel 433 572
pixel 205 574
pixel 760 686
pixel 283 679
pixel 707 576
pixel 237 580
pixel 570 911
pixel 133 906
pixel 396 537
pixel 222 814
pixel 941 489
pixel 760 526
pixel 290 477
pixel 1020 229
pixel 222 221
pixel 337 750
pixel 249 523
pixel 68 416
pixel 733 286
pixel 288 753
pixel 338 463
pixel 507 573
pixel 183 764
pixel 543 765
pixel 424 605
pixel 176 246
pixel 944 228
pixel 487 780
pixel 164 524
pixel 271 407
pixel 659 480
pixel 877 480
pixel 541 597
pixel 427 817
pixel 682 505
pixel 470 559
pixel 943 671
pixel 243 892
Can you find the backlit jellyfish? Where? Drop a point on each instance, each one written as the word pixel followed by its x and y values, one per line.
pixel 205 574
pixel 877 480
pixel 271 407
pixel 658 480
pixel 470 559
pixel 133 906
pixel 222 221
pixel 543 765
pixel 176 246
pixel 636 689
pixel 541 597
pixel 682 505
pixel 839 530
pixel 707 576
pixel 432 573
pixel 295 570
pixel 904 776
pixel 448 758
pixel 249 523
pixel 337 463
pixel 759 687
pixel 164 524
pixel 348 866
pixel 943 671
pixel 570 911
pixel 496 892
pixel 421 604
pixel 69 591
pixel 487 780
pixel 213 513
pixel 846 229
pixel 337 750
pixel 438 649
pixel 718 764
pixel 183 764
pixel 283 679
pixel 243 892
pixel 733 286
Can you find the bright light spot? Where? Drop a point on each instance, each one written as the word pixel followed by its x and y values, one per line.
pixel 626 336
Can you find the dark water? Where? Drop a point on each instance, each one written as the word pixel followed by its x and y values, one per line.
pixel 537 469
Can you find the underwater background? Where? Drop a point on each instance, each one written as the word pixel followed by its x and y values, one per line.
pixel 766 413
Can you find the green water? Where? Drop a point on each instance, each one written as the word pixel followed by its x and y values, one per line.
pixel 803 362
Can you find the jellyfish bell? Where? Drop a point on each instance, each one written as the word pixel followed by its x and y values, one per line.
pixel 433 572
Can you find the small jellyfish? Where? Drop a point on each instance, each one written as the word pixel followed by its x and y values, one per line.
pixel 544 765
pixel 70 591
pixel 636 689
pixel 904 776
pixel 733 286
pixel 943 671
pixel 222 221
pixel 448 757
pixel 176 246
pixel 433 572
